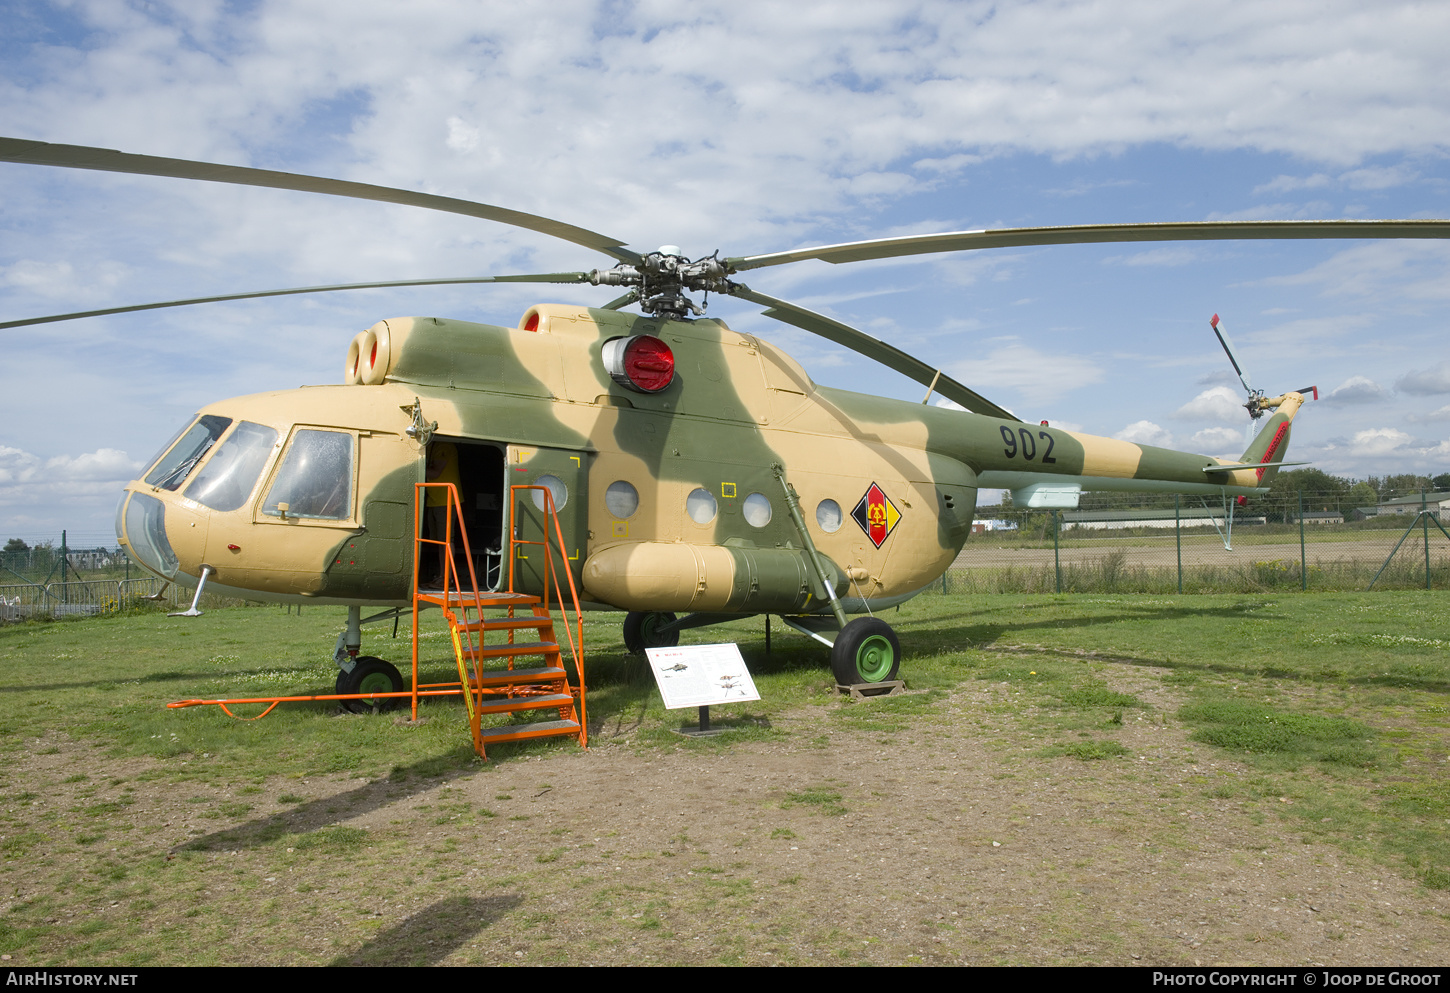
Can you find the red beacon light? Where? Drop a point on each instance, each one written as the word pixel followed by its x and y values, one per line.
pixel 642 363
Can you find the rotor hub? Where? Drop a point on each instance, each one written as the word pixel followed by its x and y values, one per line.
pixel 662 278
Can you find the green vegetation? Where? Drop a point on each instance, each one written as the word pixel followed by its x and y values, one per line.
pixel 1325 712
pixel 1112 574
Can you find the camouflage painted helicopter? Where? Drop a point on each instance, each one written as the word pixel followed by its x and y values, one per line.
pixel 696 470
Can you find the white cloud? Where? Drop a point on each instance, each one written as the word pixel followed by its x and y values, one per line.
pixel 1039 376
pixel 746 126
pixel 1175 256
pixel 1272 211
pixel 1146 433
pixel 1368 178
pixel 105 465
pixel 1414 270
pixel 1378 178
pixel 1220 403
pixel 1357 390
pixel 1286 184
pixel 43 496
pixel 1378 441
pixel 1441 414
pixel 1217 440
pixel 1426 382
pixel 462 136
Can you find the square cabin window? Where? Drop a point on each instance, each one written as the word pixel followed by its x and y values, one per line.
pixel 315 479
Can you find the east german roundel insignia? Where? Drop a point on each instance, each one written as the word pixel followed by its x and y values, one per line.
pixel 876 514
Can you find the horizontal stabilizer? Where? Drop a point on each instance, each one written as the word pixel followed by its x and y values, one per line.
pixel 1249 465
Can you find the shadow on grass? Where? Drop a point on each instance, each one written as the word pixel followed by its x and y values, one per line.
pixel 303 675
pixel 433 933
pixel 403 782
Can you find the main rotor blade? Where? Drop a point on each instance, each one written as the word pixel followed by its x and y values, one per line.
pixel 1084 234
pixel 874 348
pixel 546 277
pixel 110 160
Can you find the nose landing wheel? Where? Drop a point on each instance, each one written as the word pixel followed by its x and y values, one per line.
pixel 370 675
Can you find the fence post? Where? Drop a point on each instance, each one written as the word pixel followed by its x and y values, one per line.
pixel 1425 522
pixel 1304 558
pixel 1178 537
pixel 62 567
pixel 1057 559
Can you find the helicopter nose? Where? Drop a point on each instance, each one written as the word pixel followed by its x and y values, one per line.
pixel 165 537
pixel 141 530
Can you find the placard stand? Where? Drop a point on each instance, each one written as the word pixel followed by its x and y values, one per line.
pixel 699 676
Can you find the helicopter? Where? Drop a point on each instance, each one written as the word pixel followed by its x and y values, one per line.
pixel 699 474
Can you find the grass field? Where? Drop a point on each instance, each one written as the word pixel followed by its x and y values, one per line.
pixel 1332 709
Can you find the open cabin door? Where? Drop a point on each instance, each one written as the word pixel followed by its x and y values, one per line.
pixel 565 473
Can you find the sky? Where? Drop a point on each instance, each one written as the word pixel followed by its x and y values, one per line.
pixel 749 128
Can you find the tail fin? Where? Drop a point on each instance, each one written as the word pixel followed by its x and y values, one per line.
pixel 1272 443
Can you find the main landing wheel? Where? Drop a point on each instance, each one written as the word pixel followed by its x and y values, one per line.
pixel 642 630
pixel 866 651
pixel 370 675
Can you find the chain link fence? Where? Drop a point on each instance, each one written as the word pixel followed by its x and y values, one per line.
pixel 1306 542
pixel 84 598
pixel 75 575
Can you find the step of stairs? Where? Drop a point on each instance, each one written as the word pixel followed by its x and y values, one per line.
pixel 518 677
pixel 503 651
pixel 509 623
pixel 543 701
pixel 521 732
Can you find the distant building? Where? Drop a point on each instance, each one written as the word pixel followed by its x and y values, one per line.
pixel 980 527
pixel 1320 517
pixel 1116 520
pixel 1435 503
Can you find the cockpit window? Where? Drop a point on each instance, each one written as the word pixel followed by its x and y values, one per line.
pixel 315 479
pixel 230 475
pixel 173 468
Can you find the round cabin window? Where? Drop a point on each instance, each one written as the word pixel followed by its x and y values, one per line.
pixel 621 499
pixel 556 489
pixel 828 516
pixel 757 510
pixel 700 505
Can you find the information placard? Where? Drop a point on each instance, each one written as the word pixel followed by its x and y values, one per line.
pixel 701 675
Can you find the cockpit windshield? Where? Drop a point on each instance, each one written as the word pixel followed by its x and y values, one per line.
pixel 229 476
pixel 173 468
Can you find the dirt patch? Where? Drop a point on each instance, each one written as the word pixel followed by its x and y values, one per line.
pixel 851 835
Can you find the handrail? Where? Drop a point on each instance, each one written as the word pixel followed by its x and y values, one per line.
pixel 454 509
pixel 575 638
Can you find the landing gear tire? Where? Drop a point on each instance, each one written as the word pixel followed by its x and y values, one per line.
pixel 642 630
pixel 370 675
pixel 866 651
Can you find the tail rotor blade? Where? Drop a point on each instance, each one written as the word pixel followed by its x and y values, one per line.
pixel 1228 347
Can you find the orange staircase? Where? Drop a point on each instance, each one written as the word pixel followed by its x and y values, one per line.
pixel 483 625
